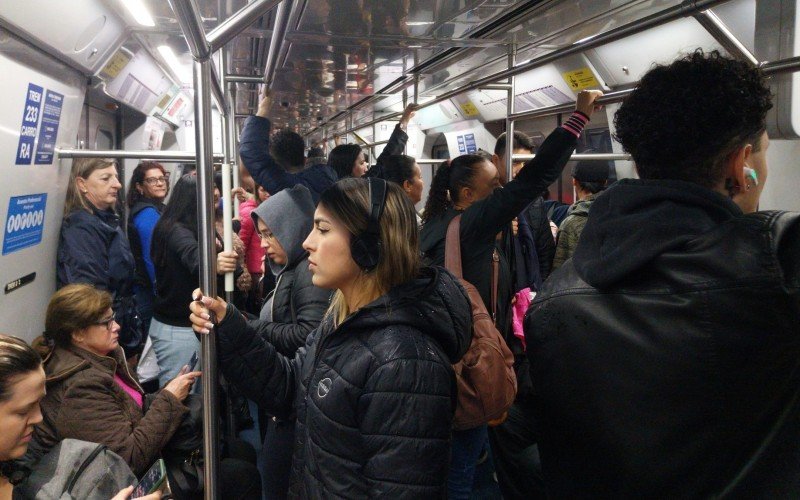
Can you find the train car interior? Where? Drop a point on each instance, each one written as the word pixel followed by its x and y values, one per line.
pixel 174 81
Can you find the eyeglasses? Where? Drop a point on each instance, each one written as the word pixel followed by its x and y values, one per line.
pixel 108 322
pixel 152 181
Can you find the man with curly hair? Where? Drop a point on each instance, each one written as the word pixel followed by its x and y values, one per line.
pixel 665 353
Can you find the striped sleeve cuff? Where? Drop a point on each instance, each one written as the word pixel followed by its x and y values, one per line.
pixel 575 124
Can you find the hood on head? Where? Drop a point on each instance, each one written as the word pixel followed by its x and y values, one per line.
pixel 289 214
pixel 634 221
pixel 434 303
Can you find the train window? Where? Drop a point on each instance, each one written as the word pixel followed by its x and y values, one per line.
pixel 440 152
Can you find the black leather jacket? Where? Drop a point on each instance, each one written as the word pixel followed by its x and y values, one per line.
pixel 666 354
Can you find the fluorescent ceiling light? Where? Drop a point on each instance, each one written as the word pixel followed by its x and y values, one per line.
pixel 419 23
pixel 139 11
pixel 170 58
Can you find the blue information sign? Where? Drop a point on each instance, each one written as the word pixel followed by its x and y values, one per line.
pixel 51 115
pixel 461 148
pixel 30 120
pixel 25 222
pixel 472 146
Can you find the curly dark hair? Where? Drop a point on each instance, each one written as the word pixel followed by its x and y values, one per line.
pixel 138 178
pixel 685 119
pixel 288 149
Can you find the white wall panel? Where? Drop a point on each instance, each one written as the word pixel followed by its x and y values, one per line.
pixel 22 310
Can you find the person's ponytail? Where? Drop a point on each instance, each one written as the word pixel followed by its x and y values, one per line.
pixel 438 200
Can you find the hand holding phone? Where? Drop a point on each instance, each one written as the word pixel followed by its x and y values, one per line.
pixel 192 362
pixel 152 480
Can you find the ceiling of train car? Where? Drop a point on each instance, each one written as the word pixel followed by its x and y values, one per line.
pixel 340 52
pixel 552 27
pixel 344 54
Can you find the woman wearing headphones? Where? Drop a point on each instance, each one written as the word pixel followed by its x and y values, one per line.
pixel 373 388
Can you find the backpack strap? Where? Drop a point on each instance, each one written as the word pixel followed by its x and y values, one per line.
pixel 452 248
pixel 86 462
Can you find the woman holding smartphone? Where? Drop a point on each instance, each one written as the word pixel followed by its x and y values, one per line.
pixel 22 387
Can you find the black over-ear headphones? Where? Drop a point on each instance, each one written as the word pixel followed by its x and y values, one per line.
pixel 366 247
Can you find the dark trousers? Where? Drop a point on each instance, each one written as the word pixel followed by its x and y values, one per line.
pixel 275 459
pixel 516 456
pixel 466 448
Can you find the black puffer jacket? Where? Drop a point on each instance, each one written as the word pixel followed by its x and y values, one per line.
pixel 297 308
pixel 374 398
pixel 666 352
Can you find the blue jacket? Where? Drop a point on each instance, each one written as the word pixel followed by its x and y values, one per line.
pixel 141 221
pixel 93 249
pixel 254 151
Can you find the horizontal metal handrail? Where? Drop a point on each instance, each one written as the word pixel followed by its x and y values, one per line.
pixel 584 157
pixel 788 65
pixel 574 157
pixel 247 15
pixel 608 98
pixel 165 156
pixel 231 78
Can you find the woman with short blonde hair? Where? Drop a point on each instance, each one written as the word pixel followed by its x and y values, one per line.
pixel 92 246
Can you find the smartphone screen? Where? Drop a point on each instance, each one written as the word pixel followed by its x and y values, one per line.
pixel 152 479
pixel 193 362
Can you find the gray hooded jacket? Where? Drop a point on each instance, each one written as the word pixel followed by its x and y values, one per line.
pixel 296 305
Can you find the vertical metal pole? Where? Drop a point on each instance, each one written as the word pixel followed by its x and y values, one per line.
pixel 416 78
pixel 233 148
pixel 512 60
pixel 374 139
pixel 208 268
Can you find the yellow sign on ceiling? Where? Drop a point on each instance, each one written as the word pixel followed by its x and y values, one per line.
pixel 580 79
pixel 469 109
pixel 115 65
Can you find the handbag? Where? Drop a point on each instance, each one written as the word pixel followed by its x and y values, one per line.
pixel 131 333
pixel 485 375
pixel 183 453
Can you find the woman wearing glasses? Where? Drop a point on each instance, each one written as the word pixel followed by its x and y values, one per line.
pixel 93 248
pixel 148 188
pixel 91 395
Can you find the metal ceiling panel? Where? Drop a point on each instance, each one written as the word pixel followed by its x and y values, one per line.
pixel 339 52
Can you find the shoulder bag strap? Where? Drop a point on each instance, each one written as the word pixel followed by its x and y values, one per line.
pixel 495 279
pixel 452 247
pixel 76 476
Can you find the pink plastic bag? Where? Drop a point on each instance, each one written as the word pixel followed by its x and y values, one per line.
pixel 523 300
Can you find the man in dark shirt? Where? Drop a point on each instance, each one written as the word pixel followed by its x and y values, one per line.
pixel 278 162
